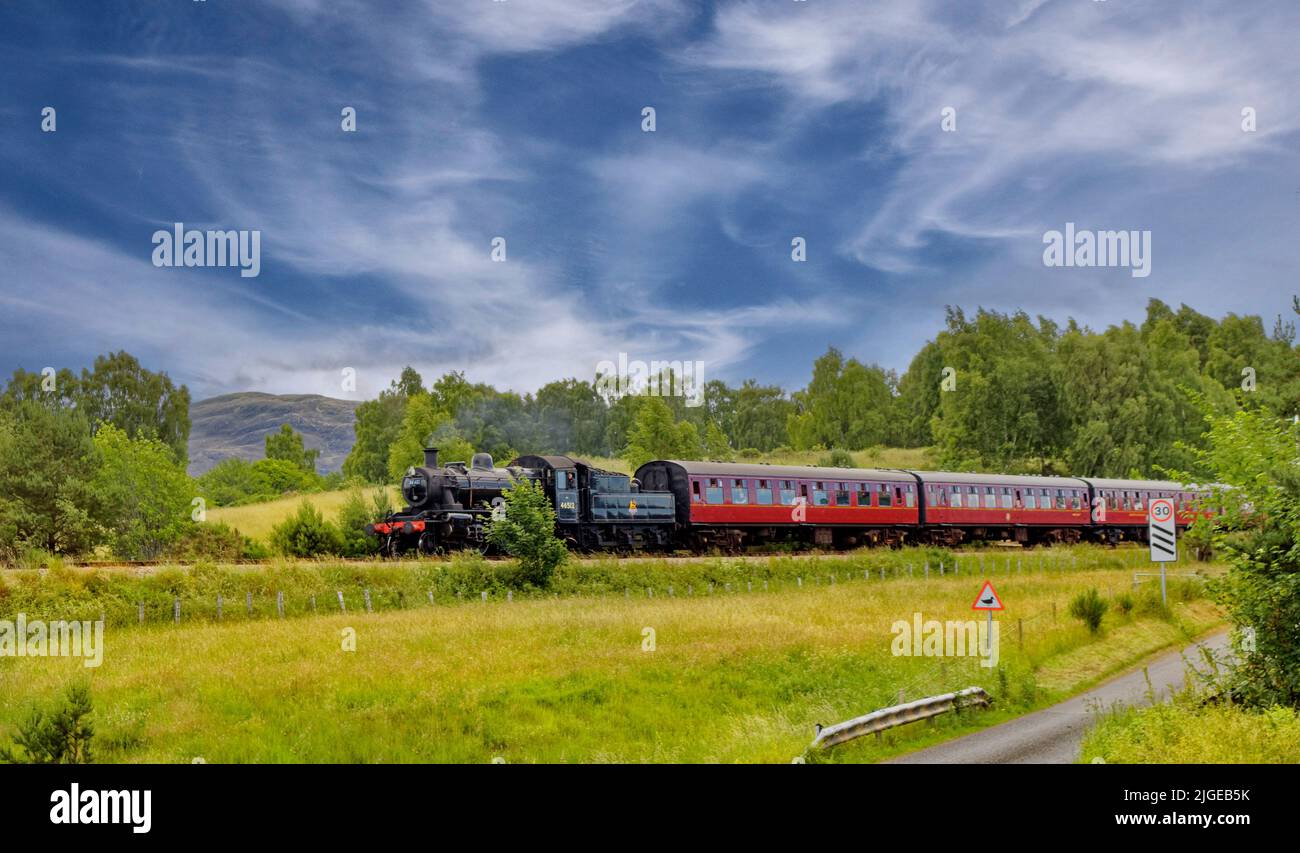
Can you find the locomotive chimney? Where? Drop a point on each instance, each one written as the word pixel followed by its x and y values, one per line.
pixel 430 457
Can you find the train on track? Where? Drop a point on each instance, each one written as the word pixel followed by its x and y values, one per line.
pixel 702 506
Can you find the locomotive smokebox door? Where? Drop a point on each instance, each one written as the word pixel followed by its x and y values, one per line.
pixel 566 495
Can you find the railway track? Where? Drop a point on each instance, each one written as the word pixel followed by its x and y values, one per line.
pixel 995 551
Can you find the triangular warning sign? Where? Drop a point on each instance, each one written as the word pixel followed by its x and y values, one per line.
pixel 987 599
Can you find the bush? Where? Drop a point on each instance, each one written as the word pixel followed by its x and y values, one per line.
pixel 1124 603
pixel 215 541
pixel 60 736
pixel 837 458
pixel 1149 603
pixel 527 531
pixel 306 533
pixel 1089 607
pixel 750 453
pixel 353 517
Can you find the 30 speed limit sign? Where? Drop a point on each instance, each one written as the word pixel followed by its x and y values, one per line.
pixel 1162 532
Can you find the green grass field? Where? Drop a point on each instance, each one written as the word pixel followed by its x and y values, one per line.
pixel 733 677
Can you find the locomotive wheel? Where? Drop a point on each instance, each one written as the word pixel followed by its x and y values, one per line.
pixel 393 547
pixel 428 544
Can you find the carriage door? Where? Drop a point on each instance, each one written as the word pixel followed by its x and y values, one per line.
pixel 566 495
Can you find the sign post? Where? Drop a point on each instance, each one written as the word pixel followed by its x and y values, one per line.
pixel 988 600
pixel 1162 534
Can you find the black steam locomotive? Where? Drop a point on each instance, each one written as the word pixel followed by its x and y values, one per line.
pixel 448 506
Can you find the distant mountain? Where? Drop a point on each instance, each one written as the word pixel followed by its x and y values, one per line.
pixel 236 425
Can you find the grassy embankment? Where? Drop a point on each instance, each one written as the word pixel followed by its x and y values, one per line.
pixel 733 676
pixel 1188 732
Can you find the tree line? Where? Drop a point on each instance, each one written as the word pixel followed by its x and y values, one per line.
pixel 990 392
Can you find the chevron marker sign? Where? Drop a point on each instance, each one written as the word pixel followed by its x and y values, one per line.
pixel 1162 533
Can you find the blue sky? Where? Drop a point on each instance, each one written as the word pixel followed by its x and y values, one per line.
pixel 522 119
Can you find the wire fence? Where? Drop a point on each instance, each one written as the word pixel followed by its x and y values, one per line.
pixel 222 607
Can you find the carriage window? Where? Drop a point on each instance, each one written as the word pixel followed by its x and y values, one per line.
pixel 841 494
pixel 819 494
pixel 739 491
pixel 1128 501
pixel 1030 501
pixel 990 499
pixel 910 496
pixel 956 496
pixel 864 494
pixel 1138 501
pixel 787 492
pixel 884 496
pixel 1060 498
pixel 1006 498
pixel 940 497
pixel 713 493
pixel 763 495
pixel 695 490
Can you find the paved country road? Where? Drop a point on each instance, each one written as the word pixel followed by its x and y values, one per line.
pixel 1053 735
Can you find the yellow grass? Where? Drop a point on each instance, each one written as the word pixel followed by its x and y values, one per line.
pixel 256 520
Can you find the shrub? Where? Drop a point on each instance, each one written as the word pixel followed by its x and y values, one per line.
pixel 1149 603
pixel 527 531
pixel 1089 607
pixel 62 735
pixel 215 541
pixel 353 517
pixel 306 533
pixel 1124 603
pixel 749 453
pixel 837 458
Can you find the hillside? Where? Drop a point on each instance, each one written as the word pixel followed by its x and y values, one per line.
pixel 236 425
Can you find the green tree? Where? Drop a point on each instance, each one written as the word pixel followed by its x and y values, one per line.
pixel 275 477
pixel 1256 455
pixel 1005 411
pixel 63 735
pixel 759 415
pixel 847 403
pixel 48 496
pixel 231 482
pixel 420 422
pixel 716 446
pixel 571 418
pixel 145 494
pixel 378 423
pixel 526 531
pixel 287 444
pixel 654 434
pixel 118 390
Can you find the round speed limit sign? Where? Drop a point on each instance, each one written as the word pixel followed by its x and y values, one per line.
pixel 1162 510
